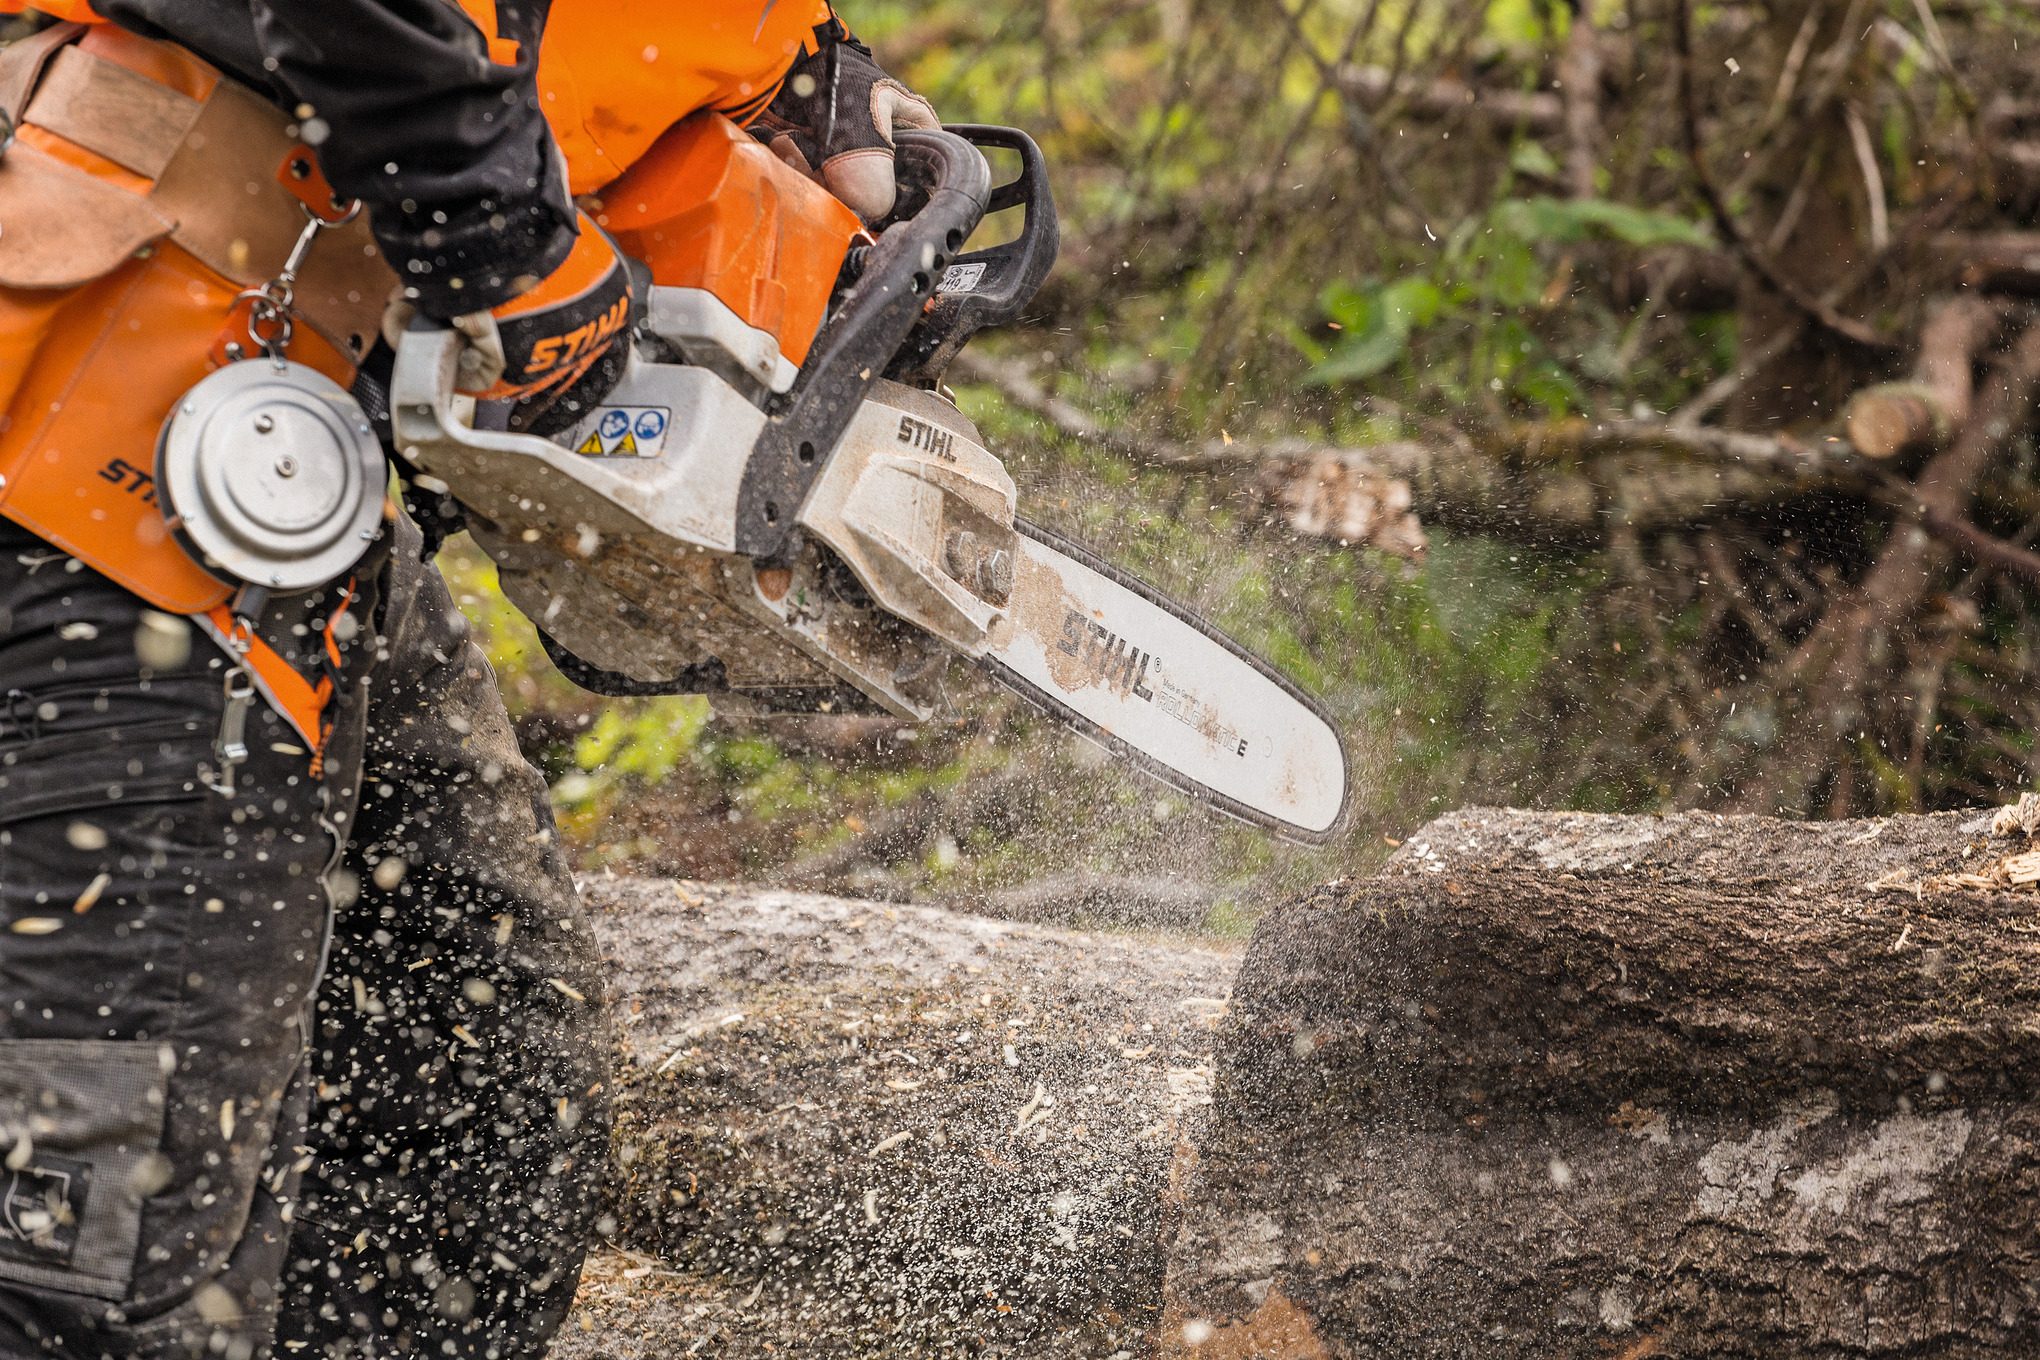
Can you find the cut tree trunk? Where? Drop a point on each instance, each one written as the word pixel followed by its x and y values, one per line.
pixel 1556 1086
pixel 852 1129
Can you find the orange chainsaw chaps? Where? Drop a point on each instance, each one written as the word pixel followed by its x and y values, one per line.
pixel 708 207
pixel 132 342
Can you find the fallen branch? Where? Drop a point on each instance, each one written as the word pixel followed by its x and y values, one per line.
pixel 1503 110
pixel 1821 681
pixel 1557 482
pixel 1926 412
pixel 1982 548
pixel 1993 261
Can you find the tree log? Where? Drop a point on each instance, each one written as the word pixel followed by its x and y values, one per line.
pixel 1992 261
pixel 860 1130
pixel 1556 1086
pixel 1504 110
pixel 1888 419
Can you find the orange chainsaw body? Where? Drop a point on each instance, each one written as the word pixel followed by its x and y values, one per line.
pixel 708 207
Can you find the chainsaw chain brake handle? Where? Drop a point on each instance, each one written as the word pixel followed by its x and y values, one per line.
pixel 859 341
pixel 989 287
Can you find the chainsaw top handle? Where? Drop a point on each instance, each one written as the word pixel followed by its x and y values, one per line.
pixel 857 343
pixel 993 286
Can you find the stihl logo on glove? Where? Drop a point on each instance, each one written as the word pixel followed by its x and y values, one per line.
pixel 554 350
pixel 554 332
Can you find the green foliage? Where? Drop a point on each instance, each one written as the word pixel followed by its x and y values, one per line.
pixel 1565 221
pixel 1478 296
pixel 1377 321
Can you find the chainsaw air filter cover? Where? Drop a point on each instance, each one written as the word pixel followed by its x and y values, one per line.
pixel 270 473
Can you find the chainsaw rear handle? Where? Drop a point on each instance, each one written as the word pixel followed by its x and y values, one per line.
pixel 993 286
pixel 857 344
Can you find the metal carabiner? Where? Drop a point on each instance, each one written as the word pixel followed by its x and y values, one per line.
pixel 271 308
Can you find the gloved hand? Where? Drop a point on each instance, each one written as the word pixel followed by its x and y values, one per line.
pixel 833 121
pixel 555 349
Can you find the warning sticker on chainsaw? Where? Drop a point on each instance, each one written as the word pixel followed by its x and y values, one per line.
pixel 627 432
pixel 961 278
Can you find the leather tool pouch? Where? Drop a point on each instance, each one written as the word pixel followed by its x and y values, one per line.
pixel 59 225
pixel 208 174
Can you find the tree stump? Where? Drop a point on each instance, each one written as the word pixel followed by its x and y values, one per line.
pixel 1622 1087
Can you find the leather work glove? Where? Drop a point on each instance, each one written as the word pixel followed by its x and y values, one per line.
pixel 833 121
pixel 555 349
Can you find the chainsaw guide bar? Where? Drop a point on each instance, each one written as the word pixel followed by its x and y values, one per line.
pixel 1163 689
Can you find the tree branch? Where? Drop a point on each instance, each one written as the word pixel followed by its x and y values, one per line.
pixel 1927 411
pixel 1732 230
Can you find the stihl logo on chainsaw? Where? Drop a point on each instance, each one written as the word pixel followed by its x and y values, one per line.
pixel 1115 661
pixel 1124 666
pixel 130 479
pixel 919 434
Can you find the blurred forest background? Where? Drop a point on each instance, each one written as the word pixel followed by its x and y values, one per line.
pixel 1623 408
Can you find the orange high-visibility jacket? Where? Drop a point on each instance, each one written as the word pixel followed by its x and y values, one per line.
pixel 145 190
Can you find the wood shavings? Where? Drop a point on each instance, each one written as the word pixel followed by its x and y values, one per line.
pixel 1035 1111
pixel 2021 818
pixel 1894 881
pixel 90 896
pixel 2020 870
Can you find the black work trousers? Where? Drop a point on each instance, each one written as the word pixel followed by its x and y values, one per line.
pixel 313 1068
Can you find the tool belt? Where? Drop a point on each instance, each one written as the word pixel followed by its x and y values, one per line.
pixel 141 193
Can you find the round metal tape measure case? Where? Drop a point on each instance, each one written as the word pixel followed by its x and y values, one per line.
pixel 270 473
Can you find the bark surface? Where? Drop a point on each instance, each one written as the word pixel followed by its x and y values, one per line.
pixel 1564 1085
pixel 851 1128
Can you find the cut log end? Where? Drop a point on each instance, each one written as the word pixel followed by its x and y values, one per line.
pixel 1883 422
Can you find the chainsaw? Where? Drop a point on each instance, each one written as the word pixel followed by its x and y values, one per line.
pixel 778 505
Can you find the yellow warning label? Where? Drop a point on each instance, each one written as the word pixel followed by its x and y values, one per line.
pixel 626 445
pixel 593 444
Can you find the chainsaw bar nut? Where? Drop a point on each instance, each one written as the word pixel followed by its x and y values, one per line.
pixel 986 571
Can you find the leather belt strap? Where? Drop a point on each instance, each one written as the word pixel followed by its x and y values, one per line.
pixel 111 111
